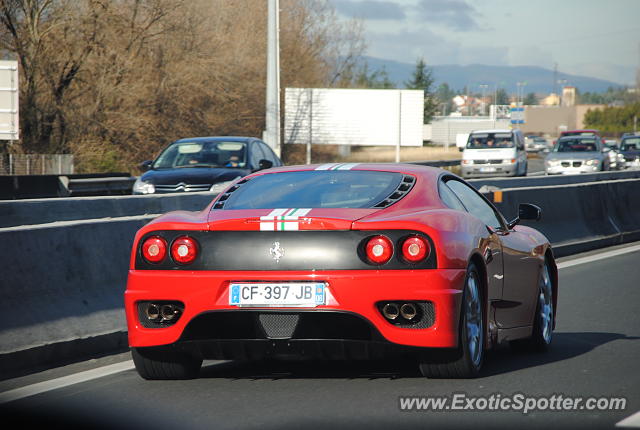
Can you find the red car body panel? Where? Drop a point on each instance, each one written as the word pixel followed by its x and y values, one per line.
pixel 458 238
pixel 208 291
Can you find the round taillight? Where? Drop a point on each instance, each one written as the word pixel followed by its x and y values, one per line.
pixel 154 249
pixel 379 249
pixel 415 249
pixel 184 250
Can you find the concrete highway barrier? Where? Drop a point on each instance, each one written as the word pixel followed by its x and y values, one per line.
pixel 579 217
pixel 62 289
pixel 41 211
pixel 544 181
pixel 63 278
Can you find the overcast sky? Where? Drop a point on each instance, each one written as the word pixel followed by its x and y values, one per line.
pixel 597 38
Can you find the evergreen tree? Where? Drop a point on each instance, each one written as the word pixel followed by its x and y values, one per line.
pixel 530 99
pixel 502 98
pixel 444 97
pixel 422 79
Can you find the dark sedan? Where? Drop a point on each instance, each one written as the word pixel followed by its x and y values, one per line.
pixel 630 149
pixel 204 164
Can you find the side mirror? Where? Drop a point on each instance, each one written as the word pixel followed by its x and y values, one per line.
pixel 529 211
pixel 460 148
pixel 146 165
pixel 265 164
pixel 526 211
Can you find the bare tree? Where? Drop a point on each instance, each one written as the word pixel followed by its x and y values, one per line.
pixel 113 81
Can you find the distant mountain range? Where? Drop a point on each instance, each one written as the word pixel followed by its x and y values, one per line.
pixel 538 80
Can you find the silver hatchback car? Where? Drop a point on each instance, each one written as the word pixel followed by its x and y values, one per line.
pixel 577 154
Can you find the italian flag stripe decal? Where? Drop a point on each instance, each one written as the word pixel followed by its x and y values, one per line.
pixel 283 219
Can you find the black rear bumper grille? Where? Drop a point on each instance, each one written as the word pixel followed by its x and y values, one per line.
pixel 322 349
pixel 261 334
pixel 250 324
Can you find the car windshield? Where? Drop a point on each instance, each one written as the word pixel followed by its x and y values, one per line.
pixel 315 189
pixel 576 145
pixel 202 154
pixel 579 133
pixel 540 140
pixel 631 144
pixel 490 140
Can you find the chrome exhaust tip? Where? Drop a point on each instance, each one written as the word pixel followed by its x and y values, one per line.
pixel 168 312
pixel 408 311
pixel 390 311
pixel 152 311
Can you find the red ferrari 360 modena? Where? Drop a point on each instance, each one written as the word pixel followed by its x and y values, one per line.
pixel 345 261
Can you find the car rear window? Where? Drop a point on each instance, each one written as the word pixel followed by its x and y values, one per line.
pixel 315 189
pixel 202 154
pixel 490 140
pixel 632 144
pixel 579 133
pixel 576 145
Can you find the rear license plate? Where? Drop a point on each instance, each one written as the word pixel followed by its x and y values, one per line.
pixel 487 169
pixel 289 294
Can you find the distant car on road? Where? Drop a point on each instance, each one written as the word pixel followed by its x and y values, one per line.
pixel 494 153
pixel 615 155
pixel 204 164
pixel 577 154
pixel 584 132
pixel 536 144
pixel 630 150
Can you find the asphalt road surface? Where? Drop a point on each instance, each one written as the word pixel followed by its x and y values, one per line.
pixel 595 352
pixel 535 166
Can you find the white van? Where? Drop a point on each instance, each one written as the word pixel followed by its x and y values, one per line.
pixel 494 153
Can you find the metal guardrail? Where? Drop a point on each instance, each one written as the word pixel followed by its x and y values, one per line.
pixel 100 186
pixel 436 163
pixel 543 180
pixel 14 187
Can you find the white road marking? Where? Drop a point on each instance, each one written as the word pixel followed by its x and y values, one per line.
pixel 601 256
pixel 632 421
pixel 65 381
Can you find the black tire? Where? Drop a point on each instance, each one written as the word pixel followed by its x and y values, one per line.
pixel 543 319
pixel 461 362
pixel 165 363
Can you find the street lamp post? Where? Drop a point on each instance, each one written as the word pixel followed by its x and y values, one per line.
pixel 520 93
pixel 483 87
pixel 272 119
pixel 562 83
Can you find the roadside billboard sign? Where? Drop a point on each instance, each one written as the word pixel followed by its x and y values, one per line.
pixel 9 92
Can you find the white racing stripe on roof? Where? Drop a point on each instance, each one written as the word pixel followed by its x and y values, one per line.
pixel 327 166
pixel 347 166
pixel 337 166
